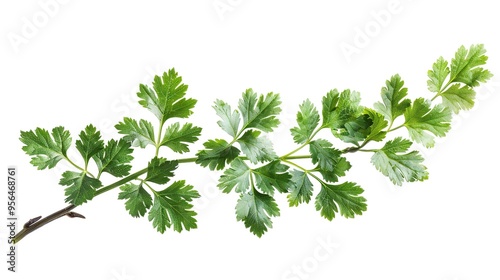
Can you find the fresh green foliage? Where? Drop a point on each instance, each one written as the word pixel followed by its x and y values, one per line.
pixel 455 82
pixel 244 154
pixel 394 162
pixel 46 151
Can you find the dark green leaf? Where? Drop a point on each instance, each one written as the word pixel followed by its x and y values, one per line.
pixel 272 176
pixel 216 154
pixel 377 127
pixel 172 207
pixel 344 198
pixel 166 100
pixel 301 189
pixel 46 151
pixel 160 170
pixel 176 138
pixel 354 131
pixel 138 199
pixel 114 158
pixel 81 188
pixel 322 153
pixel 255 210
pixel 338 109
pixel 90 143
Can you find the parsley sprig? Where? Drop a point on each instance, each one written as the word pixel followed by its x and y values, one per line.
pixel 313 170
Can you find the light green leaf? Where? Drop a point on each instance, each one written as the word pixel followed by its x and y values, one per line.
pixel 139 134
pixel 255 210
pixel 237 175
pixel 307 120
pixel 458 98
pixel 423 122
pixel 177 138
pixel 46 151
pixel 138 199
pixel 393 102
pixel 257 148
pixel 81 188
pixel 464 66
pixel 438 75
pixel 260 114
pixel 394 162
pixel 230 120
pixel 344 198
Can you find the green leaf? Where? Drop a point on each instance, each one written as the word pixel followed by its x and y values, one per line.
pixel 339 170
pixel 257 149
pixel 230 120
pixel 166 100
pixel 377 127
pixel 393 102
pixel 237 175
pixel 338 109
pixel 176 138
pixel 322 153
pixel 464 66
pixel 138 199
pixel 255 210
pixel 260 114
pixel 46 151
pixel 307 120
pixel 421 120
pixel 90 143
pixel 160 170
pixel 438 75
pixel 81 188
pixel 344 198
pixel 217 153
pixel 458 98
pixel 301 189
pixel 172 207
pixel 272 176
pixel 354 131
pixel 139 134
pixel 114 158
pixel 393 161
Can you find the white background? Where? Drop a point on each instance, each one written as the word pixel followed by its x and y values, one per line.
pixel 83 63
